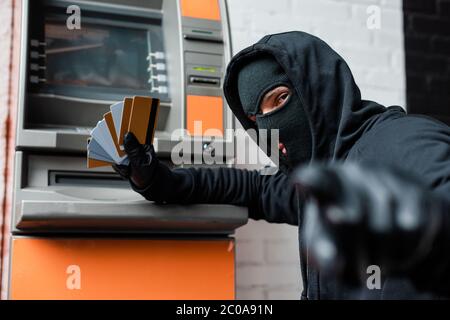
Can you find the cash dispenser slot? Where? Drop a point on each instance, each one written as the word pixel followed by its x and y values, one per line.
pixel 70 178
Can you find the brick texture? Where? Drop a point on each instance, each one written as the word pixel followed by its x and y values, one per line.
pixel 6 10
pixel 427 50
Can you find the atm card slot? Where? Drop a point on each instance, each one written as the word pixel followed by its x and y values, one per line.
pixel 211 81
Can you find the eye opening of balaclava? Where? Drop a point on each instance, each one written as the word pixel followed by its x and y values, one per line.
pixel 255 79
pixel 260 114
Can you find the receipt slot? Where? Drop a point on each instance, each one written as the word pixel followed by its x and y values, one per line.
pixel 83 234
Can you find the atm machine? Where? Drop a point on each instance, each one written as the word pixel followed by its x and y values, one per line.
pixel 84 234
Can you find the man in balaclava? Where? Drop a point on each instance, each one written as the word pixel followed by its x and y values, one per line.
pixel 267 99
pixel 374 189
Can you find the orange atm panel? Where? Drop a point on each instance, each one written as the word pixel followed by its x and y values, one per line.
pixel 207 111
pixel 201 9
pixel 122 269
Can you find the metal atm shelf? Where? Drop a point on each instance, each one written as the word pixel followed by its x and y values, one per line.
pixel 50 199
pixel 132 217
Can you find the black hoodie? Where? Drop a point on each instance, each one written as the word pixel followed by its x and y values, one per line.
pixel 344 128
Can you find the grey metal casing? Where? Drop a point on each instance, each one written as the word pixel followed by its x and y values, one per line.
pixel 43 124
pixel 47 155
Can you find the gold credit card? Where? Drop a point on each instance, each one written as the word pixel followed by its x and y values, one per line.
pixel 92 163
pixel 126 113
pixel 144 115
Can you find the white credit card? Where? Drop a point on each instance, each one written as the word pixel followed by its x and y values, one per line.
pixel 103 137
pixel 116 110
pixel 95 151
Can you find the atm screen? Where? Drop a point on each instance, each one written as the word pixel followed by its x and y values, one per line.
pixel 97 56
pixel 108 58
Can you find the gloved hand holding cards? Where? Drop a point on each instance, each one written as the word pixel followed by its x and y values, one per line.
pixel 138 115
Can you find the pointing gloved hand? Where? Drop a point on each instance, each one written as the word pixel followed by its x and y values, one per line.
pixel 143 162
pixel 357 216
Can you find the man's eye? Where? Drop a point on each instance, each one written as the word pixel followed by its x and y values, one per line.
pixel 282 99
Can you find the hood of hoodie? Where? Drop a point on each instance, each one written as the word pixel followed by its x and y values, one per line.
pixel 325 85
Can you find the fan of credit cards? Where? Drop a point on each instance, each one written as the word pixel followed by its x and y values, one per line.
pixel 138 115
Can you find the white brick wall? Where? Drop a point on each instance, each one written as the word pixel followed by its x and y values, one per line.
pixel 267 255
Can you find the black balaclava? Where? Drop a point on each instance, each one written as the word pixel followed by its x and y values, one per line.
pixel 257 78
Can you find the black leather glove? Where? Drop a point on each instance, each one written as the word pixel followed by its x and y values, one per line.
pixel 151 178
pixel 143 162
pixel 357 216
